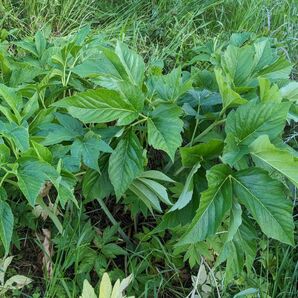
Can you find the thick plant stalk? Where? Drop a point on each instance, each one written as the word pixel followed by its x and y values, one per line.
pixel 113 221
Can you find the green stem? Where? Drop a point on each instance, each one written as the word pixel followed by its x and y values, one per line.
pixel 143 116
pixel 12 182
pixel 140 121
pixel 70 72
pixel 3 178
pixel 194 132
pixel 80 173
pixel 196 127
pixel 209 128
pixel 14 150
pixel 113 221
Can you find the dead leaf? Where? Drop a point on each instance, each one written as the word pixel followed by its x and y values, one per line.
pixel 45 189
pixel 39 211
pixel 47 253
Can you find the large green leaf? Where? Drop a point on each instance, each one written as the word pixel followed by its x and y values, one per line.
pixel 169 87
pixel 99 106
pixel 235 220
pixel 145 193
pixel 229 97
pixel 40 43
pixel 157 188
pixel 280 69
pixel 132 62
pixel 88 149
pixel 4 152
pixel 23 72
pixel 17 133
pixel 214 203
pixel 290 91
pixel 131 93
pixel 12 99
pixel 114 62
pixel 243 64
pixel 194 154
pixel 164 129
pixel 68 129
pixel 279 159
pixel 69 123
pixel 156 175
pixel 238 63
pixel 6 225
pixel 264 54
pixel 65 187
pixel 187 191
pixel 32 174
pixel 268 92
pixel 41 152
pixel 126 163
pixel 97 185
pixel 104 68
pixel 266 200
pixel 250 121
pixel 55 133
pixel 240 247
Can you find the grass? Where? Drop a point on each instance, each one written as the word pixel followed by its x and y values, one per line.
pixel 166 30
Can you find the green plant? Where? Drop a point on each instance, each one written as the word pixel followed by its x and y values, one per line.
pixel 84 121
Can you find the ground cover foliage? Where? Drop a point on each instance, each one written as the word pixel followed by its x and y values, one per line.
pixel 173 167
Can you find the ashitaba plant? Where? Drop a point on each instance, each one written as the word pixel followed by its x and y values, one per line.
pixel 206 150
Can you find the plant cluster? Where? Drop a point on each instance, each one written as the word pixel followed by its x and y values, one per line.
pixel 203 160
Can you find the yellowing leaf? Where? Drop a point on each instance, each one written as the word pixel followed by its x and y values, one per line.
pixel 105 288
pixel 88 291
pixel 17 282
pixel 116 293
